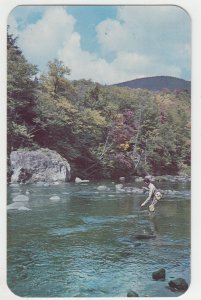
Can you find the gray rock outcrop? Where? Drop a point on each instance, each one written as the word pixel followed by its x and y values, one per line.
pixel 42 165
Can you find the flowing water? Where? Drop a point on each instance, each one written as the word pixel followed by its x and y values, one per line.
pixel 83 243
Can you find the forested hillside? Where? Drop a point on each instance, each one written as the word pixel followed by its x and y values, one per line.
pixel 103 131
pixel 158 83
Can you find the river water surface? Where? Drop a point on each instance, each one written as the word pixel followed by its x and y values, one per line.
pixel 83 244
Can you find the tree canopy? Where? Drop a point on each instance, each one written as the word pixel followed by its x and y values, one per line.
pixel 104 131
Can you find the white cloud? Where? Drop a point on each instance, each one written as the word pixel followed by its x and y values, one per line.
pixel 169 30
pixel 88 65
pixel 161 33
pixel 84 64
pixel 40 41
pixel 137 52
pixel 125 66
pixel 112 35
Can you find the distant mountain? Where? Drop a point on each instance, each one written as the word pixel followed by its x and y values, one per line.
pixel 157 83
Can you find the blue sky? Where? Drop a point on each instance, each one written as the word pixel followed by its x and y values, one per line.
pixel 108 44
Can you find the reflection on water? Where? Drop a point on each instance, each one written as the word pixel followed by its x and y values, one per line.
pixel 84 243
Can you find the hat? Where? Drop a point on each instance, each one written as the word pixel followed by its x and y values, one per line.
pixel 146 180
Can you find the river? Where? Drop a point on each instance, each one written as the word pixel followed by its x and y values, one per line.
pixel 83 244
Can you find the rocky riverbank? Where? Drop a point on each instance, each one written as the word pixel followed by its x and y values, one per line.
pixel 45 165
pixel 165 178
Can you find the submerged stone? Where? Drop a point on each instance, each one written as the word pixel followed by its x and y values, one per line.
pixel 15 205
pixel 131 293
pixel 159 275
pixel 55 198
pixel 20 198
pixel 119 188
pixel 23 208
pixel 144 236
pixel 103 188
pixel 137 244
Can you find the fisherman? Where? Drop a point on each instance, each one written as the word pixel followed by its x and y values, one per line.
pixel 154 195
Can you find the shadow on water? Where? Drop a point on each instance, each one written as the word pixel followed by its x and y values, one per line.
pixel 84 243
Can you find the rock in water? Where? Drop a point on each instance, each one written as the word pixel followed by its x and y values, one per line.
pixel 20 198
pixel 42 165
pixel 119 188
pixel 178 284
pixel 55 198
pixel 79 180
pixel 15 205
pixel 132 294
pixel 144 236
pixel 159 275
pixel 23 208
pixel 103 188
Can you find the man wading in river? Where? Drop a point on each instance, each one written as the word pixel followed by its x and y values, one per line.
pixel 153 197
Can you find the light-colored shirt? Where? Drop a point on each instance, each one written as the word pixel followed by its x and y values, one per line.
pixel 152 190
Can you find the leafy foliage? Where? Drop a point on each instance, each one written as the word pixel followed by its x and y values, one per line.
pixel 21 88
pixel 104 131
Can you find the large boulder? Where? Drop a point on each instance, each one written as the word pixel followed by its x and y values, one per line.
pixel 42 165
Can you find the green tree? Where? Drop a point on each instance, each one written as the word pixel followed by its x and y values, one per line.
pixel 54 82
pixel 21 91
